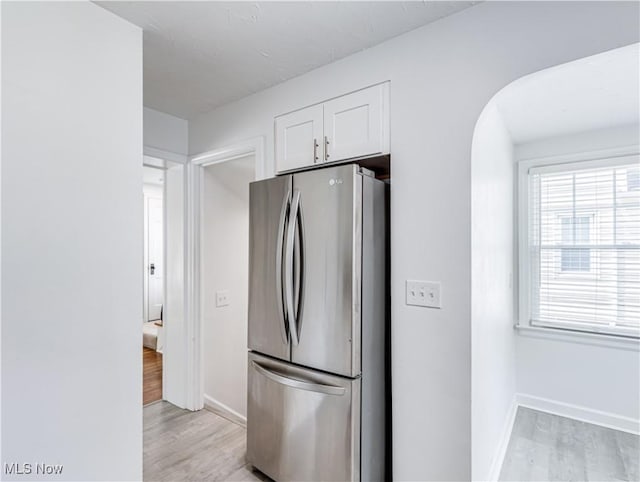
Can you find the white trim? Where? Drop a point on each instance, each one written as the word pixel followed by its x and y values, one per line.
pixel 524 289
pixel 224 411
pixel 624 154
pixel 608 161
pixel 194 380
pixel 505 435
pixel 582 337
pixel 629 150
pixel 577 412
pixel 193 274
pixel 164 155
pixel 254 146
pixel 590 328
pixel 164 278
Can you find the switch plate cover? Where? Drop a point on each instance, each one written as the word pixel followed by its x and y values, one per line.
pixel 424 293
pixel 223 298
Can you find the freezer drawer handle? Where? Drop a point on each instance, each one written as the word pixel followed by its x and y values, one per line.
pixel 291 382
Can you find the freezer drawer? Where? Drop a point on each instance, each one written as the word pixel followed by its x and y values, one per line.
pixel 302 425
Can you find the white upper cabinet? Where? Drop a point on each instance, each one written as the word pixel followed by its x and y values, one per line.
pixel 348 127
pixel 354 124
pixel 299 138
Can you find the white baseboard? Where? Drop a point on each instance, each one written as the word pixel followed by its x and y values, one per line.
pixel 584 414
pixel 503 443
pixel 221 409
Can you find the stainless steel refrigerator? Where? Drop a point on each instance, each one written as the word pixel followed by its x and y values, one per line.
pixel 317 311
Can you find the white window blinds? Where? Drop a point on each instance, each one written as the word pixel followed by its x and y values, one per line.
pixel 584 246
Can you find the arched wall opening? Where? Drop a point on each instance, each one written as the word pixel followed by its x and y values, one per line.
pixel 581 110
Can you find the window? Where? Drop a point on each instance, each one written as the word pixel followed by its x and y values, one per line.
pixel 580 246
pixel 633 179
pixel 575 231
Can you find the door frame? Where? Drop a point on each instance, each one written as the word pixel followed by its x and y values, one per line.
pixel 193 275
pixel 170 385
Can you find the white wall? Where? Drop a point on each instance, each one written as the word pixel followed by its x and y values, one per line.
pixel 580 142
pixel 225 261
pixel 569 369
pixel 581 373
pixel 492 309
pixel 442 76
pixel 153 190
pixel 1 37
pixel 165 132
pixel 71 240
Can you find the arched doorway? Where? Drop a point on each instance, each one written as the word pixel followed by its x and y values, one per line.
pixel 535 343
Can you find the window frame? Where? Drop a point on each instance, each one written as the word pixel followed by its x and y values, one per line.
pixel 602 158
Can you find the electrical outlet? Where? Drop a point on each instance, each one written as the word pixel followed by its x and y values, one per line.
pixel 423 293
pixel 223 298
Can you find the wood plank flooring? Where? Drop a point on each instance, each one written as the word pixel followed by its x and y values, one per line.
pixel 546 447
pixel 151 375
pixel 180 445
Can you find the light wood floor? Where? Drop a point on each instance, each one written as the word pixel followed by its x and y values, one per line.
pixel 180 445
pixel 545 447
pixel 151 375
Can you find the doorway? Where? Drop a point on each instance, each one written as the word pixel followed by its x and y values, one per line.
pixel 205 343
pixel 153 281
pixel 153 243
pixel 163 280
pixel 225 269
pixel 555 207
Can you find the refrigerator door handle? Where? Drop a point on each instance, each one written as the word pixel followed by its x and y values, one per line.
pixel 288 263
pixel 299 256
pixel 296 383
pixel 279 247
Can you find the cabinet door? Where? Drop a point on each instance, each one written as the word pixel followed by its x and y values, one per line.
pixel 356 124
pixel 299 139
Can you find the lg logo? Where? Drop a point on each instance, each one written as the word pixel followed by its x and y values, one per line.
pixel 333 182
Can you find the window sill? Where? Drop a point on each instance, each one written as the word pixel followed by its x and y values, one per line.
pixel 585 338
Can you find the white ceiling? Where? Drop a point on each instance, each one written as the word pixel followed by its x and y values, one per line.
pixel 588 94
pixel 200 55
